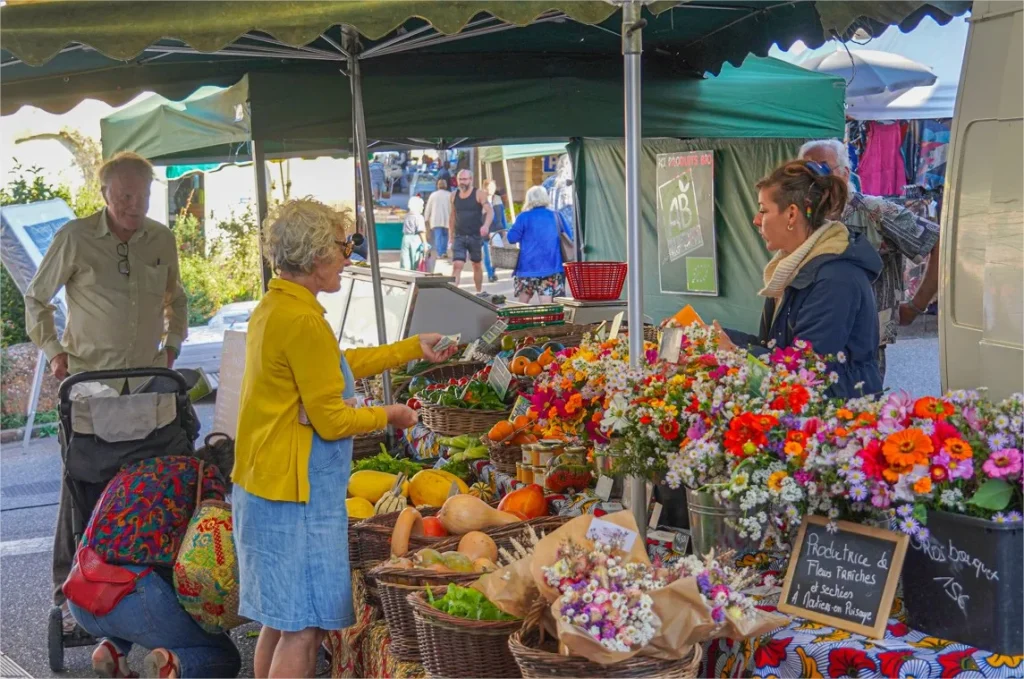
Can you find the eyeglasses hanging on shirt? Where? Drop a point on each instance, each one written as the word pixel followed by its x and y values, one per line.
pixel 122 265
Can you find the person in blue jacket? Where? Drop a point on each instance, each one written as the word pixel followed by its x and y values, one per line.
pixel 818 284
pixel 537 230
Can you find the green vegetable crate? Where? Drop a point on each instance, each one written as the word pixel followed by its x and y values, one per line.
pixel 522 317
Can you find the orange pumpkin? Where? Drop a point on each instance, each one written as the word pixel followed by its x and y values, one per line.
pixel 501 431
pixel 521 422
pixel 523 438
pixel 528 500
pixel 534 369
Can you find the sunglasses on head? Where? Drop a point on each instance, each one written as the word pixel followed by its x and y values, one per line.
pixel 820 169
pixel 350 244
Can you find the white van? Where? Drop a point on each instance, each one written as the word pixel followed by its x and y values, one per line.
pixel 981 284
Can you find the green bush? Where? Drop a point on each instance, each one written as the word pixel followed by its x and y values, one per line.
pixel 226 271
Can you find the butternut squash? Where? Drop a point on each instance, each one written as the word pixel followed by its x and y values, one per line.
pixel 409 523
pixel 462 514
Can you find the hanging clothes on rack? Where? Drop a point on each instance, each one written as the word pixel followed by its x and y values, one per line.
pixel 931 167
pixel 881 169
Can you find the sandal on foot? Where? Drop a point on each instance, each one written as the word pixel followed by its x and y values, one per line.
pixel 162 664
pixel 109 662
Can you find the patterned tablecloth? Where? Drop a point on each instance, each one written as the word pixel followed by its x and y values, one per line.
pixel 808 649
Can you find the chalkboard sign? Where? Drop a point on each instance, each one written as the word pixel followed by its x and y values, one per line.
pixel 687 259
pixel 845 579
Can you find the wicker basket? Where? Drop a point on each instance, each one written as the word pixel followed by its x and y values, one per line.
pixel 368 445
pixel 394 585
pixel 438 373
pixel 504 257
pixel 504 458
pixel 457 647
pixel 374 535
pixel 537 656
pixel 448 421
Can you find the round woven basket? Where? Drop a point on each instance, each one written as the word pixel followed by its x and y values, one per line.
pixel 504 257
pixel 368 445
pixel 373 387
pixel 538 657
pixel 504 458
pixel 448 421
pixel 394 585
pixel 457 647
pixel 374 536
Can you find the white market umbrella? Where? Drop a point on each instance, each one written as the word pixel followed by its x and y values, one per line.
pixel 870 72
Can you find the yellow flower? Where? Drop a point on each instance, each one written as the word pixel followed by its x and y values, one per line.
pixel 844 414
pixel 677 380
pixel 776 479
pixel 794 448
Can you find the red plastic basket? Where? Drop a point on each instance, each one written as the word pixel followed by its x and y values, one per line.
pixel 595 281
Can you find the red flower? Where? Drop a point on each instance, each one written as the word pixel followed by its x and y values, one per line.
pixel 811 426
pixel 943 431
pixel 669 430
pixel 898 629
pixel 798 437
pixel 744 429
pixel 694 406
pixel 848 662
pixel 939 473
pixel 772 653
pixel 874 460
pixel 890 662
pixel 708 361
pixel 645 420
pixel 955 662
pixel 778 403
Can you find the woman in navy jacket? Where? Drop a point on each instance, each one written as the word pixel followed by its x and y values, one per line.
pixel 818 284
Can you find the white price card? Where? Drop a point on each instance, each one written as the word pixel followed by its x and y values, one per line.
pixel 616 325
pixel 494 332
pixel 521 407
pixel 604 488
pixel 500 377
pixel 599 331
pixel 671 345
pixel 655 516
pixel 608 533
pixel 469 355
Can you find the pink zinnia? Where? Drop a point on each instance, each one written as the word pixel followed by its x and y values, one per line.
pixel 1003 463
pixel 958 469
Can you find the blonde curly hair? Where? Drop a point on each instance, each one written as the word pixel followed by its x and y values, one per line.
pixel 299 232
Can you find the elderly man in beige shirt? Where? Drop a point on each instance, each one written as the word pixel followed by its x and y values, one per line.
pixel 126 305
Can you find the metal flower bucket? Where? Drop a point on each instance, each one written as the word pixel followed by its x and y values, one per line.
pixel 708 527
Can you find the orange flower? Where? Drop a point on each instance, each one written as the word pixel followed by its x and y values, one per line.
pixel 794 448
pixel 866 419
pixel 574 404
pixel 893 473
pixel 932 408
pixel 958 449
pixel 907 448
pixel 923 485
pixel 775 481
pixel 844 414
pixel 841 432
pixel 553 413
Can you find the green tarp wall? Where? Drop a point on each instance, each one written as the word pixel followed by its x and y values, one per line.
pixel 739 164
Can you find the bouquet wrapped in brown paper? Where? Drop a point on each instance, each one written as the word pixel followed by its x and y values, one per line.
pixel 607 602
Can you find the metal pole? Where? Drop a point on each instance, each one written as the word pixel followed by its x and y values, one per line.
pixel 366 194
pixel 508 186
pixel 632 45
pixel 33 403
pixel 259 166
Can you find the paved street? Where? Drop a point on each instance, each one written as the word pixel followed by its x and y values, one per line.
pixel 29 482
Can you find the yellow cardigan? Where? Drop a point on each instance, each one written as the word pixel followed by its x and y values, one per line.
pixel 292 356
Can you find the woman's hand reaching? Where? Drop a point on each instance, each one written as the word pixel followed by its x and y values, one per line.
pixel 724 343
pixel 427 342
pixel 401 416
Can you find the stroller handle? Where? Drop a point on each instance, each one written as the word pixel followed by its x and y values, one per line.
pixel 130 373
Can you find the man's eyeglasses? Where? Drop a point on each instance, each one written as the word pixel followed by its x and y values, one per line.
pixel 122 265
pixel 350 244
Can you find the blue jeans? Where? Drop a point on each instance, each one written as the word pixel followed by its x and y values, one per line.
pixel 487 259
pixel 440 240
pixel 152 618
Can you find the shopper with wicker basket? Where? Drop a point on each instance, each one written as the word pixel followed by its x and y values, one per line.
pixel 294 442
pixel 539 231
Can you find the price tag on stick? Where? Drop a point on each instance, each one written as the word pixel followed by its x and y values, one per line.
pixel 500 377
pixel 671 345
pixel 616 325
pixel 494 332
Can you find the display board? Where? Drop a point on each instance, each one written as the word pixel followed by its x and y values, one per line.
pixel 26 234
pixel 687 256
pixel 843 575
pixel 229 389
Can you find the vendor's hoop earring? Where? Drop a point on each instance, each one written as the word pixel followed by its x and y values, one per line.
pixel 789 228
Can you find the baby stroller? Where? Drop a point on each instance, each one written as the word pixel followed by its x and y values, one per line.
pixel 100 434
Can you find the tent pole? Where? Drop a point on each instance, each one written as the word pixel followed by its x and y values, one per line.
pixel 632 45
pixel 359 134
pixel 259 167
pixel 508 186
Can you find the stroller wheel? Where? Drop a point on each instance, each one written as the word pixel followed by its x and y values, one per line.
pixel 55 639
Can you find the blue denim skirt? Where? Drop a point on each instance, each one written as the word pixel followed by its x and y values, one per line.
pixel 293 556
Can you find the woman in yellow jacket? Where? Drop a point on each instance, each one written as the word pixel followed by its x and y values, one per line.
pixel 294 441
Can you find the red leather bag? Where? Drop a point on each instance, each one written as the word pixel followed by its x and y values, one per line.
pixel 97 586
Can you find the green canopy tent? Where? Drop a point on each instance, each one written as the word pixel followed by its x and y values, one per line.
pixel 64 36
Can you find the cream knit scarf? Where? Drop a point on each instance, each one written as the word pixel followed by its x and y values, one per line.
pixel 831 239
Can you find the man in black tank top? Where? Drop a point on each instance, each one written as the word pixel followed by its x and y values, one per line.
pixel 468 225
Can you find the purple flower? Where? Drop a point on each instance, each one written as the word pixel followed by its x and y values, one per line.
pixel 904 511
pixel 998 441
pixel 696 430
pixel 898 406
pixel 1003 463
pixel 858 493
pixel 923 534
pixel 971 415
pixel 910 525
pixel 1015 517
pixel 719 589
pixel 718 614
pixel 958 469
pixel 802 477
pixel 704 582
pixel 880 499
